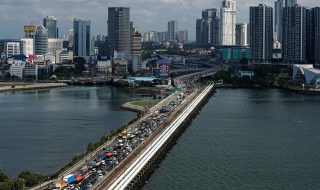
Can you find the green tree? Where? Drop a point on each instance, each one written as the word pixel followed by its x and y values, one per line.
pixel 90 147
pixel 79 60
pixel 3 177
pixel 79 68
pixel 146 54
pixel 30 178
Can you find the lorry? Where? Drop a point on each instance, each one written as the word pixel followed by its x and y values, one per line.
pixel 69 178
pixel 61 184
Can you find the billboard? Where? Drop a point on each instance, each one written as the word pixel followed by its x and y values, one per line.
pixel 164 65
pixel 30 28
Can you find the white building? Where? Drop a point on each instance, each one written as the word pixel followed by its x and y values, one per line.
pixel 104 67
pixel 27 46
pixel 242 34
pixel 66 56
pixel 150 36
pixel 228 22
pixel 12 48
pixel 306 74
pixel 17 69
pixel 54 45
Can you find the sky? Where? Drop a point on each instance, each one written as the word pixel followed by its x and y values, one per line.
pixel 147 15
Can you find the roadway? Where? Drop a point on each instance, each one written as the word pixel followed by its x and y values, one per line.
pixel 121 176
pixel 155 124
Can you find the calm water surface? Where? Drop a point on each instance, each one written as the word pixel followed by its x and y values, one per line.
pixel 42 130
pixel 247 139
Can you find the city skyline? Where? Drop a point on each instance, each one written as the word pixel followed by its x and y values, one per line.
pixel 186 14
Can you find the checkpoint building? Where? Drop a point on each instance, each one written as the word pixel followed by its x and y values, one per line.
pixel 306 74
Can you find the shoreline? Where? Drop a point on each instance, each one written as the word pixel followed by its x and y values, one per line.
pixel 130 106
pixel 31 86
pixel 133 108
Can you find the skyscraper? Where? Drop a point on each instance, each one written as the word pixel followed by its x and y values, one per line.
pixel 278 19
pixel 136 51
pixel 290 3
pixel 261 33
pixel 119 34
pixel 183 36
pixel 27 46
pixel 294 44
pixel 81 38
pixel 70 38
pixel 278 16
pixel 161 37
pixel 40 41
pixel 228 22
pixel 50 23
pixel 207 29
pixel 241 34
pixel 315 34
pixel 173 31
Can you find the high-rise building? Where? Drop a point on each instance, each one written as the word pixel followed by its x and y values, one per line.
pixel 70 37
pixel 40 41
pixel 261 33
pixel 27 46
pixel 294 43
pixel 183 36
pixel 50 23
pixel 278 19
pixel 81 38
pixel 290 3
pixel 241 34
pixel 136 51
pixel 207 29
pixel 150 36
pixel 228 22
pixel 54 46
pixel 314 35
pixel 161 37
pixel 173 35
pixel 119 32
pixel 12 48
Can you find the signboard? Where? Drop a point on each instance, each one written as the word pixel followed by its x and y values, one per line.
pixel 164 65
pixel 30 28
pixel 164 70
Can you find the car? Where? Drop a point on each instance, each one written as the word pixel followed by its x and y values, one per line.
pixel 99 171
pixel 100 176
pixel 89 185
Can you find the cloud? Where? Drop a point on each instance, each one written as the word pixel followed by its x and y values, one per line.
pixel 147 15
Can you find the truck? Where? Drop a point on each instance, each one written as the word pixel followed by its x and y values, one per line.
pixel 69 178
pixel 61 184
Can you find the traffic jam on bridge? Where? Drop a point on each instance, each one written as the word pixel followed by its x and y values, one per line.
pixel 104 161
pixel 126 142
